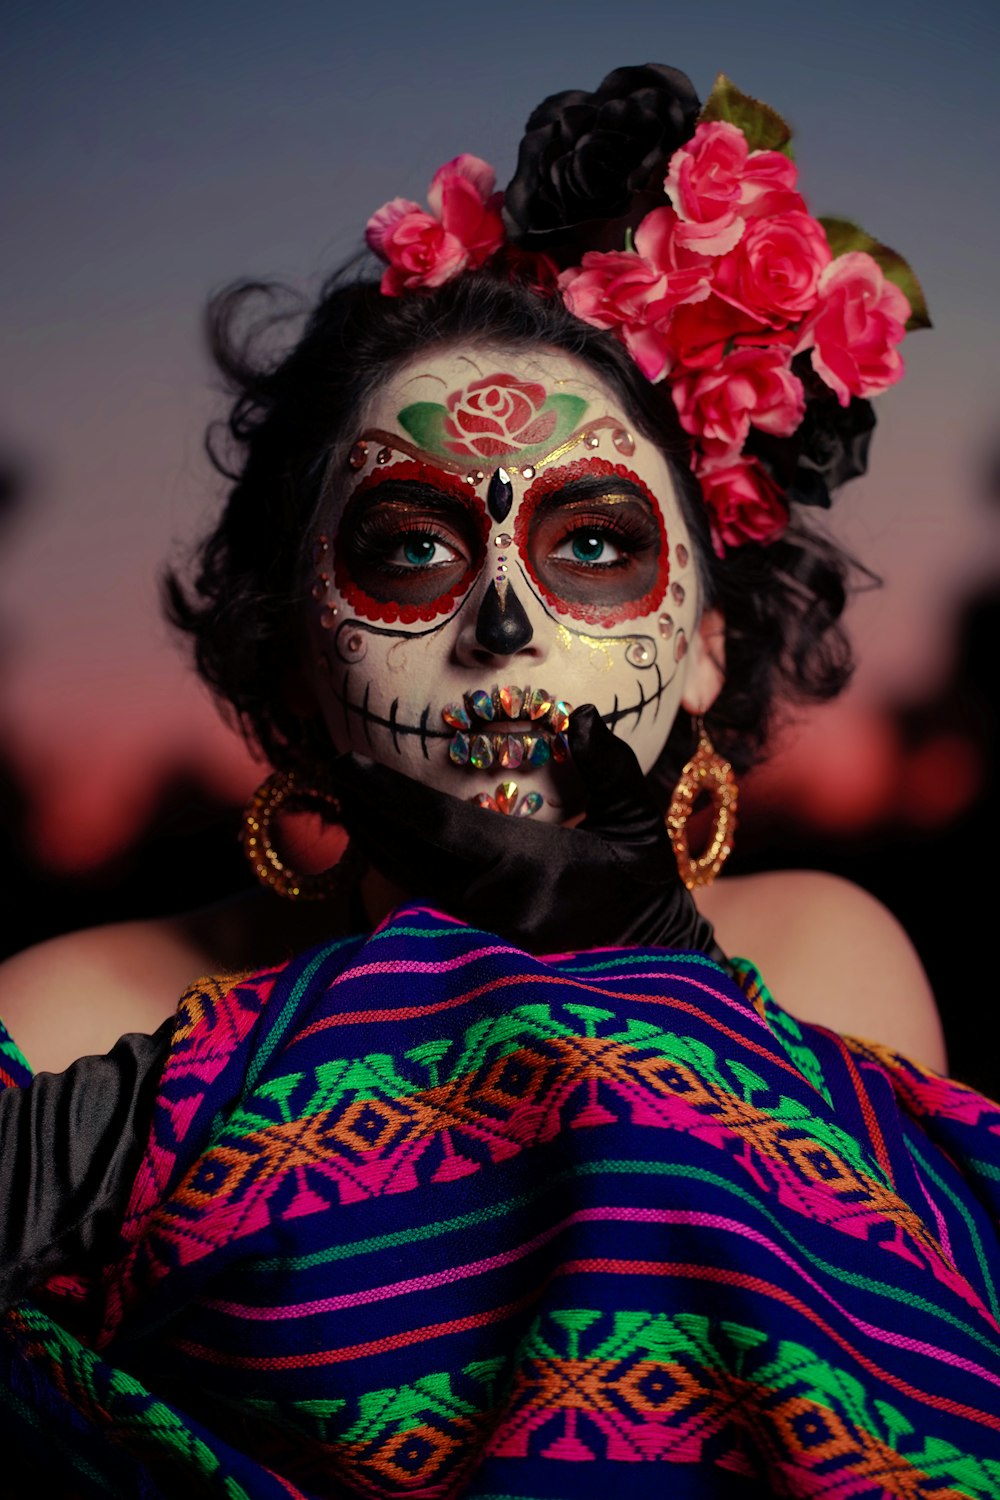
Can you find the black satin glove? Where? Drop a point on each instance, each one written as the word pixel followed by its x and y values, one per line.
pixel 611 882
pixel 70 1145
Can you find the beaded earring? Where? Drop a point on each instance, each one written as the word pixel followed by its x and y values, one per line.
pixel 709 772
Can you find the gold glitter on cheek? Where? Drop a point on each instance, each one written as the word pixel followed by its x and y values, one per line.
pixel 601 658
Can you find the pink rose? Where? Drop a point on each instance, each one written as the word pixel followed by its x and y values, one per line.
pixel 768 187
pixel 774 272
pixel 496 416
pixel 744 503
pixel 716 183
pixel 634 293
pixel 853 333
pixel 461 232
pixel 703 183
pixel 717 406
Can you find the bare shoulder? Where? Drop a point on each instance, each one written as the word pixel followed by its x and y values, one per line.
pixel 831 953
pixel 78 993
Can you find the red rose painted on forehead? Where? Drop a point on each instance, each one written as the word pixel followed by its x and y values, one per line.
pixel 497 415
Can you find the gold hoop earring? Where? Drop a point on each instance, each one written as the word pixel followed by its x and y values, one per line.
pixel 283 789
pixel 706 771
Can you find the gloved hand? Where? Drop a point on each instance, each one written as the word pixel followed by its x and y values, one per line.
pixel 610 882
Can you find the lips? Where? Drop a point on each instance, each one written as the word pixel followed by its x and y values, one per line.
pixel 480 743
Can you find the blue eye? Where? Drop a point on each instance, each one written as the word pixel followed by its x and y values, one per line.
pixel 418 550
pixel 415 550
pixel 588 546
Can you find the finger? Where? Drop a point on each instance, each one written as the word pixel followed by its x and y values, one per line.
pixel 616 789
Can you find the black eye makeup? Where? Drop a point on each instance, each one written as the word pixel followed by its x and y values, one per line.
pixel 592 538
pixel 410 543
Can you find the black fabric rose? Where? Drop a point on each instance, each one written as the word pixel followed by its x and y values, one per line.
pixel 829 447
pixel 589 156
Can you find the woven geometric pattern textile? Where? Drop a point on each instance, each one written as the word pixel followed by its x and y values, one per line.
pixel 423 1215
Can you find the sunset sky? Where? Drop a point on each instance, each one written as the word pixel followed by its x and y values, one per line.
pixel 154 153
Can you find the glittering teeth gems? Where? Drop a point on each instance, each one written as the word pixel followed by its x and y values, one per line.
pixel 511 701
pixel 505 800
pixel 481 704
pixel 455 716
pixel 545 718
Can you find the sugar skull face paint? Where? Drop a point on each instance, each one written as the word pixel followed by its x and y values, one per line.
pixel 498 546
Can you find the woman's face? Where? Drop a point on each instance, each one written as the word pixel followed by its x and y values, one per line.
pixel 499 547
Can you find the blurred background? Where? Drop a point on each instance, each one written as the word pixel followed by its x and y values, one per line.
pixel 153 154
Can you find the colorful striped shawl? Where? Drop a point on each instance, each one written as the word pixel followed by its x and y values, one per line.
pixel 422 1215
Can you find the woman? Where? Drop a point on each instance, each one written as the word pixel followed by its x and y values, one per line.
pixel 405 1204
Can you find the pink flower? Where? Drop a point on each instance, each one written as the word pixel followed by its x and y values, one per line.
pixel 496 416
pixel 461 232
pixel 853 333
pixel 744 503
pixel 634 293
pixel 703 183
pixel 774 272
pixel 716 183
pixel 718 405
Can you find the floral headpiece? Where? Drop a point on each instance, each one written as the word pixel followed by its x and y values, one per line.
pixel 682 232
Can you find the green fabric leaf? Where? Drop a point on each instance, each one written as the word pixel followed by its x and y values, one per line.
pixel 842 235
pixel 763 127
pixel 424 421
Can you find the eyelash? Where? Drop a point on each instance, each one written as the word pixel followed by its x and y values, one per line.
pixel 630 534
pixel 376 536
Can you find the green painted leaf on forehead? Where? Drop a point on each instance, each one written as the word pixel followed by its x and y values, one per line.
pixel 483 436
pixel 763 127
pixel 842 235
pixel 424 421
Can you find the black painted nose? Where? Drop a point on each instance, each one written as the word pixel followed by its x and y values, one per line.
pixel 502 625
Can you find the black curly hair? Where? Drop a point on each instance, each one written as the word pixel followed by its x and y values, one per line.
pixel 298 406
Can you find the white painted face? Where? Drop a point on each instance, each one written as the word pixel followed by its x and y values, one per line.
pixel 500 547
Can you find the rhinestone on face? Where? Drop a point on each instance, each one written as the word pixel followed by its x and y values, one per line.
pixel 528 472
pixel 559 717
pixel 539 704
pixel 592 440
pixel 455 716
pixel 509 750
pixel 681 554
pixel 503 540
pixel 481 704
pixel 536 751
pixel 475 476
pixel 680 646
pixel 485 802
pixel 458 750
pixel 677 593
pixel 352 647
pixel 328 619
pixel 666 624
pixel 623 441
pixel 506 795
pixel 511 701
pixel 358 456
pixel 481 753
pixel 639 654
pixel 530 804
pixel 321 547
pixel 318 589
pixel 383 455
pixel 560 747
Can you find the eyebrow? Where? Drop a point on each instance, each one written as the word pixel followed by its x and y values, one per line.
pixel 410 494
pixel 583 491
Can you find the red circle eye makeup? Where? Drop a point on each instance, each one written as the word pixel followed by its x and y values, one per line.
pixel 592 538
pixel 410 543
